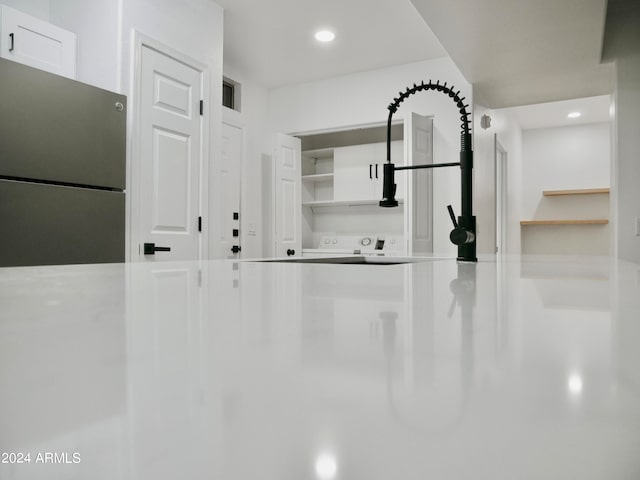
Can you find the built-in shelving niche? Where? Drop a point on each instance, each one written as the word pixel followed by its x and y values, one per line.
pixel 572 229
pixel 326 211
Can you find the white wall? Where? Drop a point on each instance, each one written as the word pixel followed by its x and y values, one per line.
pixel 362 98
pixel 483 182
pixel 97 25
pixel 506 129
pixel 253 118
pixel 622 46
pixel 35 8
pixel 628 148
pixel 564 158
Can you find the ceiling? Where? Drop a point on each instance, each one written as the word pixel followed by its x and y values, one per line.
pixel 525 51
pixel 555 114
pixel 273 41
pixel 514 52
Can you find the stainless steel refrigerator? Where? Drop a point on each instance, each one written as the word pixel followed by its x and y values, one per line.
pixel 62 170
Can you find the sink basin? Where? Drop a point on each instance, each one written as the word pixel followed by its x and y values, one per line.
pixel 353 260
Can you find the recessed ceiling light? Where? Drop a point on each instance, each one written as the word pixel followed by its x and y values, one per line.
pixel 575 384
pixel 574 115
pixel 325 35
pixel 326 467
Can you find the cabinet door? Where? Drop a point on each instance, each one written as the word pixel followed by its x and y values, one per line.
pixel 287 197
pixel 28 40
pixel 397 158
pixel 354 172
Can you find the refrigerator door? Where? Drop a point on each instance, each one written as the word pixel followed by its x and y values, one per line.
pixel 53 225
pixel 60 130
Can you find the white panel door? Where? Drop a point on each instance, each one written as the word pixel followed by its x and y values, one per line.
pixel 418 137
pixel 287 193
pixel 170 156
pixel 397 158
pixel 230 164
pixel 29 40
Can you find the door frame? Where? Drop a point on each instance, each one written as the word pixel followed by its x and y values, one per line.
pixel 134 177
pixel 500 199
pixel 233 119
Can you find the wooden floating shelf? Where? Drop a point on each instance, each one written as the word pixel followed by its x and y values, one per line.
pixel 582 191
pixel 565 222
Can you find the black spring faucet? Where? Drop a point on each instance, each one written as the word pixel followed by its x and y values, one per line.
pixel 464 232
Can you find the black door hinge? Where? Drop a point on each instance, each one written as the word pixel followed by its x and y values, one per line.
pixel 199 224
pixel 201 107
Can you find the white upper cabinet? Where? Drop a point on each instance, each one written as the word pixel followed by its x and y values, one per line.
pixel 29 40
pixel 354 172
pixel 358 170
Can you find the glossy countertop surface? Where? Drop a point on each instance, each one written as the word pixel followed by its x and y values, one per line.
pixel 517 368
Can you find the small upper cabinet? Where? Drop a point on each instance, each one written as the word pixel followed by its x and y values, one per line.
pixel 358 170
pixel 31 41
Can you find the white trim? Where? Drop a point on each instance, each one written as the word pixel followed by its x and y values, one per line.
pixel 500 181
pixel 140 40
pixel 397 121
pixel 233 118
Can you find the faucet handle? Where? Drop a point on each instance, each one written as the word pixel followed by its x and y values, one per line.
pixel 453 217
pixel 459 235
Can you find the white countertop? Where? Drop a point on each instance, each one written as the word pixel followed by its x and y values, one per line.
pixel 524 368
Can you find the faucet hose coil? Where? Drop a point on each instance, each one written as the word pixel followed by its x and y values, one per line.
pixel 462 107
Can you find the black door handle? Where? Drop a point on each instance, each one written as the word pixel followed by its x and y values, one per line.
pixel 236 248
pixel 151 249
pixel 376 170
pixel 290 252
pixel 12 39
pixel 370 175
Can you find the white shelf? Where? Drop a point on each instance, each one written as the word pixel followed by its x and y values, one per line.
pixel 345 203
pixel 318 177
pixel 599 221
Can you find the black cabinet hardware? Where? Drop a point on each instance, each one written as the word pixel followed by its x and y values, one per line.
pixel 236 248
pixel 290 252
